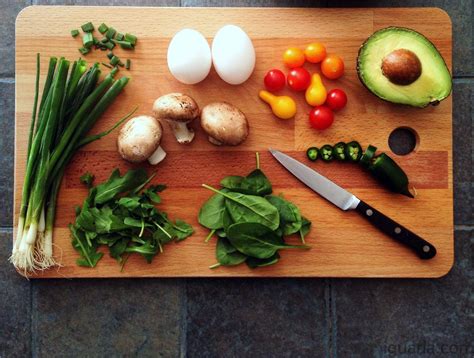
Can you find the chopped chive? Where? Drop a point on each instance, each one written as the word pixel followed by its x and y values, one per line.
pixel 114 60
pixel 103 28
pixel 88 27
pixel 96 41
pixel 124 44
pixel 110 55
pixel 106 65
pixel 131 38
pixel 104 40
pixel 128 63
pixel 109 45
pixel 102 48
pixel 121 64
pixel 87 40
pixel 110 33
pixel 74 32
pixel 84 50
pixel 120 36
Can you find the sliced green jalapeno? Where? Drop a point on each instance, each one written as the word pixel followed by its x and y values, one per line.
pixel 312 153
pixel 326 153
pixel 353 151
pixel 369 153
pixel 339 151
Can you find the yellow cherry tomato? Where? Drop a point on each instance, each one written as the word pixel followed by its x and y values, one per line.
pixel 283 107
pixel 293 57
pixel 315 52
pixel 316 92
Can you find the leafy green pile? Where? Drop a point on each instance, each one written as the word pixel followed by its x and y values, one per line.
pixel 249 222
pixel 121 214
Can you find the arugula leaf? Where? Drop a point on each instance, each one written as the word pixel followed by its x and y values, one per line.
pixel 117 184
pixel 121 214
pixel 87 179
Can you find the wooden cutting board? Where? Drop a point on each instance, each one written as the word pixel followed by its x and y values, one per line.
pixel 343 244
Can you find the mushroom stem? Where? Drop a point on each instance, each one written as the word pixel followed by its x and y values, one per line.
pixel 182 132
pixel 158 155
pixel 214 140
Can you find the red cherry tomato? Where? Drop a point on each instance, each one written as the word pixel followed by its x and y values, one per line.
pixel 274 80
pixel 336 99
pixel 321 117
pixel 299 79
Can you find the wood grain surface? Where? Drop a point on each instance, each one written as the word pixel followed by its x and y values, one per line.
pixel 343 244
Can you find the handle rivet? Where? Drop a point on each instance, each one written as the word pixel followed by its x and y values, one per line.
pixel 426 248
pixel 398 230
pixel 369 212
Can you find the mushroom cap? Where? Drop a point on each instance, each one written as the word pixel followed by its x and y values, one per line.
pixel 176 107
pixel 139 138
pixel 224 123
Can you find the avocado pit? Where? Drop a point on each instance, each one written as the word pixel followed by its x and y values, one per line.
pixel 401 67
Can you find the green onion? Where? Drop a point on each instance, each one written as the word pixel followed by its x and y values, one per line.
pixel 114 60
pixel 131 38
pixel 119 36
pixel 103 28
pixel 87 27
pixel 124 44
pixel 74 32
pixel 104 40
pixel 71 103
pixel 127 64
pixel 110 33
pixel 87 40
pixel 84 50
pixel 110 55
pixel 109 45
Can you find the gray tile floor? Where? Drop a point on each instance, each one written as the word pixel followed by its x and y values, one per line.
pixel 246 318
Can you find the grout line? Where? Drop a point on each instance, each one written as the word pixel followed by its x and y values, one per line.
pixel 464 227
pixel 7 80
pixel 333 321
pixel 6 228
pixel 183 324
pixel 327 317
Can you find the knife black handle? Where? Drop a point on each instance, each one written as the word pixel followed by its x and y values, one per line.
pixel 396 231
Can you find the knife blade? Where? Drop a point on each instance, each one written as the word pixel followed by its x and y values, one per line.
pixel 345 200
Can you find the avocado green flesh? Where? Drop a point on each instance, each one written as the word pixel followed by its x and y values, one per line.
pixel 434 83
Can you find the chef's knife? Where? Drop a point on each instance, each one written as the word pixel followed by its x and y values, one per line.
pixel 347 201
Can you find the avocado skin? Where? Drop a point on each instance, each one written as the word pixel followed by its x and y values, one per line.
pixel 434 102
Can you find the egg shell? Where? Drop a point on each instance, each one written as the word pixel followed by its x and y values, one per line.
pixel 189 56
pixel 233 54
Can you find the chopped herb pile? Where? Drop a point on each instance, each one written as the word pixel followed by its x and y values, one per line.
pixel 121 214
pixel 110 39
pixel 250 223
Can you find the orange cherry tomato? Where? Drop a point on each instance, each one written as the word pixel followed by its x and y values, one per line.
pixel 315 52
pixel 293 57
pixel 332 67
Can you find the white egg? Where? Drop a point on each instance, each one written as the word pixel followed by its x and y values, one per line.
pixel 189 56
pixel 233 54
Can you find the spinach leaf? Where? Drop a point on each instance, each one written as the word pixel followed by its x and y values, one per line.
pixel 253 262
pixel 227 255
pixel 305 227
pixel 290 216
pixel 252 209
pixel 232 182
pixel 212 212
pixel 256 183
pixel 257 240
pixel 117 184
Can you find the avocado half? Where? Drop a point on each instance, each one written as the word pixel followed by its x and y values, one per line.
pixel 401 65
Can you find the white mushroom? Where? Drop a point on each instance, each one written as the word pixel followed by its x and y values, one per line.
pixel 179 110
pixel 224 123
pixel 139 139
